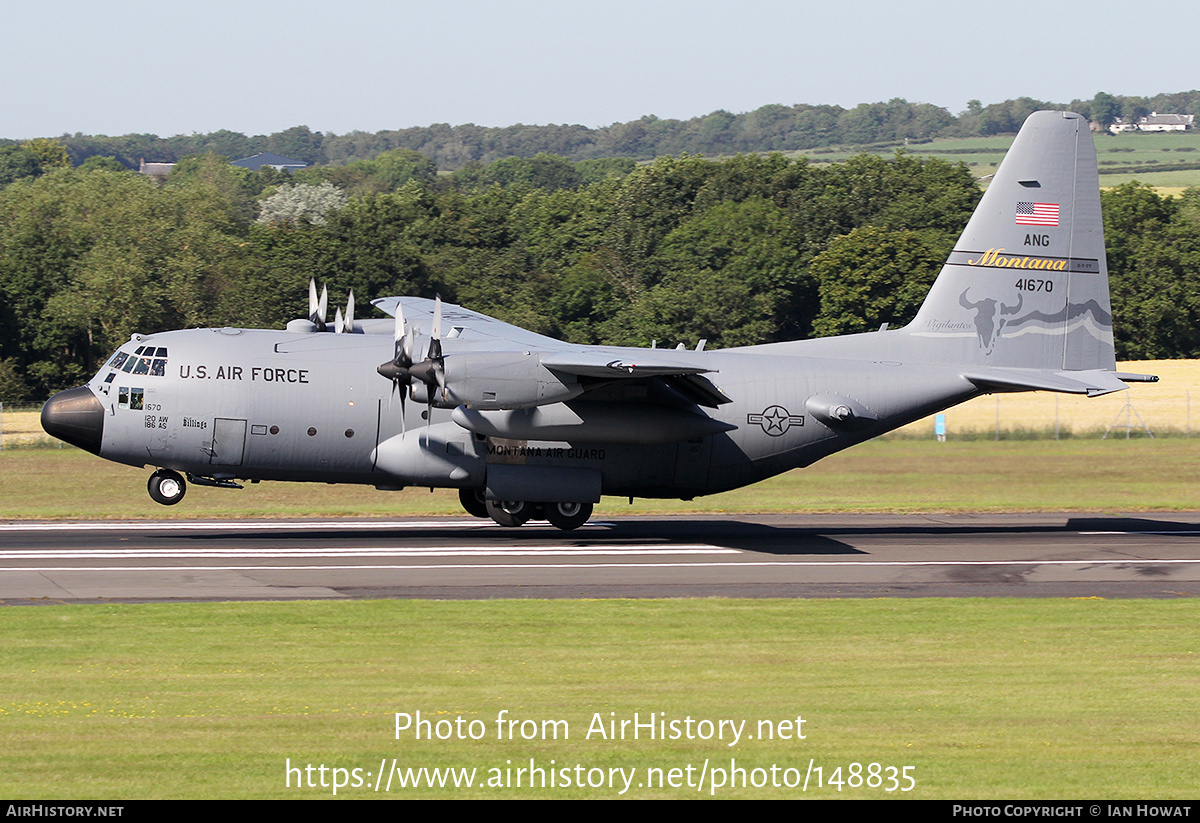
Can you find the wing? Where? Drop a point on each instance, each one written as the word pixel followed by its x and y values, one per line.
pixel 620 364
pixel 466 325
pixel 468 371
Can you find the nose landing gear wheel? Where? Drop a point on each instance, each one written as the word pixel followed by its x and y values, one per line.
pixel 509 512
pixel 568 516
pixel 166 487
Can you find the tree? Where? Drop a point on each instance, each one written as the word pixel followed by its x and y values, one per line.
pixel 12 387
pixel 302 203
pixel 730 274
pixel 99 161
pixel 1104 109
pixel 1154 272
pixel 50 154
pixel 872 276
pixel 298 143
pixel 17 162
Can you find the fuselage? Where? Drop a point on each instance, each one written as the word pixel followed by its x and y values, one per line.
pixel 275 405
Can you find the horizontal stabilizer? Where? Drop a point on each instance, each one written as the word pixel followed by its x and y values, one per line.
pixel 1092 383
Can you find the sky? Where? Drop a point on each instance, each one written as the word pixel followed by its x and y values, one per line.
pixel 257 67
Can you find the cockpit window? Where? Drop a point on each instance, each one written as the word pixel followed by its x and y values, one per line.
pixel 151 360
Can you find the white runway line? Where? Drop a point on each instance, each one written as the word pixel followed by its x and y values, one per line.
pixel 397 551
pixel 247 525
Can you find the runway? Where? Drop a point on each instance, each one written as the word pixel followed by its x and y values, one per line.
pixel 1024 555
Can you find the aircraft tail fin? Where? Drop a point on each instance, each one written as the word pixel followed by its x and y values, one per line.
pixel 1027 284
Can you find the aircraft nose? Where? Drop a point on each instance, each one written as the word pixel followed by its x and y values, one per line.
pixel 75 416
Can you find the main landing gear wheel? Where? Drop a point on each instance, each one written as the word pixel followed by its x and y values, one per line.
pixel 166 487
pixel 568 516
pixel 472 500
pixel 509 512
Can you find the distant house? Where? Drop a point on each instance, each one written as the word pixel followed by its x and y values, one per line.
pixel 1155 122
pixel 275 161
pixel 155 169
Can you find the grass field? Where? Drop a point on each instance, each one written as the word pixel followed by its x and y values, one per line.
pixel 981 699
pixel 1121 157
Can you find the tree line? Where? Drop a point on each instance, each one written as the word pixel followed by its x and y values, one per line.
pixel 769 128
pixel 749 249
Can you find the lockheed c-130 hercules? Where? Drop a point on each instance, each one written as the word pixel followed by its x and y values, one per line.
pixel 525 426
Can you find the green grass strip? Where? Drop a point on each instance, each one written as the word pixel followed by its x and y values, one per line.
pixel 980 698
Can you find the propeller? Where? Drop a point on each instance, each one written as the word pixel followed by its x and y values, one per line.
pixel 431 371
pixel 398 369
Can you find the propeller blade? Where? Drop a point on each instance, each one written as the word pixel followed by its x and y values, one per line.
pixel 347 324
pixel 338 322
pixel 404 343
pixel 316 307
pixel 439 374
pixel 400 328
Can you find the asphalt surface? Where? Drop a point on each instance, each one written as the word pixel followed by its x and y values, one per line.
pixel 1023 555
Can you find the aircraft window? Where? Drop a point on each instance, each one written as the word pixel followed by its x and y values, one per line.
pixel 140 350
pixel 162 352
pixel 158 368
pixel 123 397
pixel 140 367
pixel 129 364
pixel 135 398
pixel 117 359
pixel 110 377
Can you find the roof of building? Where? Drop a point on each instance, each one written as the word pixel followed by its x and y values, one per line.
pixel 268 159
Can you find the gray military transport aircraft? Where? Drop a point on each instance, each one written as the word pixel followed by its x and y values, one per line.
pixel 525 426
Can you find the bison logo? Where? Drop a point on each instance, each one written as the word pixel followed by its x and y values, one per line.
pixel 990 317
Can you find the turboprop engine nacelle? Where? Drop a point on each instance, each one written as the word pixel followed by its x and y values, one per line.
pixel 436 455
pixel 497 380
pixel 584 422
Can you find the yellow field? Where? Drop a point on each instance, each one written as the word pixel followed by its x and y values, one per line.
pixel 21 428
pixel 1163 407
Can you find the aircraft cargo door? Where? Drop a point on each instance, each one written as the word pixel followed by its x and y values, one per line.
pixel 228 443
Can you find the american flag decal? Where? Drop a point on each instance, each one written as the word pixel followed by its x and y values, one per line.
pixel 1037 214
